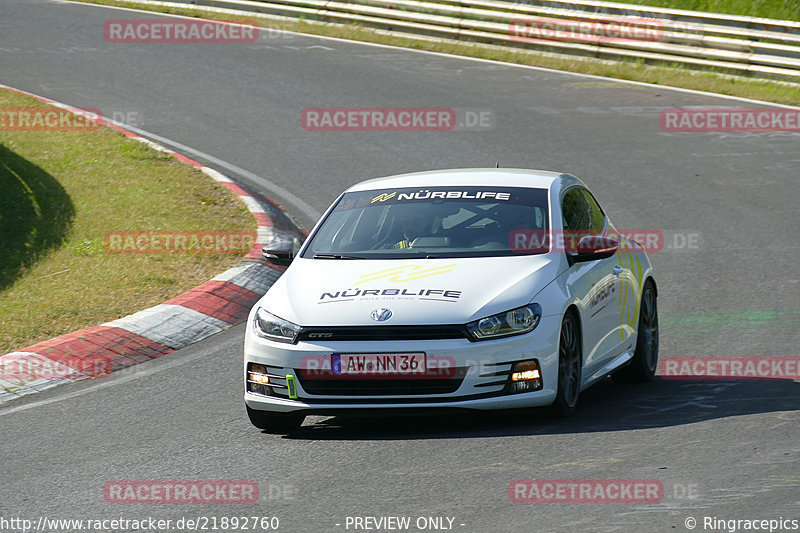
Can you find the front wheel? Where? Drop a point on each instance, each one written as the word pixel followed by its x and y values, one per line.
pixel 274 422
pixel 645 357
pixel 570 367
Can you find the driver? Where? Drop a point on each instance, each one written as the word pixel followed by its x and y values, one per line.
pixel 414 222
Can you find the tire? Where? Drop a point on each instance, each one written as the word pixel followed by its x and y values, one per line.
pixel 570 367
pixel 645 358
pixel 274 422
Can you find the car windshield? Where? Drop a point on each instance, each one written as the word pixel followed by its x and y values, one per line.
pixel 431 222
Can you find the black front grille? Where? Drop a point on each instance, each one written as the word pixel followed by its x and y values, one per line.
pixel 382 333
pixel 382 386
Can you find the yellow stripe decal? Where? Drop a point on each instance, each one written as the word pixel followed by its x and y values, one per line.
pixel 406 273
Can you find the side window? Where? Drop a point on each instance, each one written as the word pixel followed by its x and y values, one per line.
pixel 596 217
pixel 582 216
pixel 575 213
pixel 582 212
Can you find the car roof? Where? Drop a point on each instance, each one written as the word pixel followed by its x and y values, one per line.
pixel 487 177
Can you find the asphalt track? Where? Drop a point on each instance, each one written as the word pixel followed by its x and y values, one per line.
pixel 724 449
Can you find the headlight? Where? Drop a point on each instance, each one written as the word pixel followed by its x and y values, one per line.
pixel 274 328
pixel 515 322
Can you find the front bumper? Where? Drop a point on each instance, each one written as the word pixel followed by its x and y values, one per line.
pixel 479 381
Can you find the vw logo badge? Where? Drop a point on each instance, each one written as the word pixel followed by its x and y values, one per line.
pixel 381 315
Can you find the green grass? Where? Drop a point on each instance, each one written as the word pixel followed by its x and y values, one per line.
pixel 61 193
pixel 772 9
pixel 672 76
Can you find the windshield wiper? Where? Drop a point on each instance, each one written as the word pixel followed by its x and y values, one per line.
pixel 335 256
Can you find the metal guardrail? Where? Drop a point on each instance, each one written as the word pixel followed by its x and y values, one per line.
pixel 742 45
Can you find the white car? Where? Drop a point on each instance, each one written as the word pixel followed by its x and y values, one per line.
pixel 470 289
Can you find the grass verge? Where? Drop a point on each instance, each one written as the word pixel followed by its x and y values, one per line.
pixel 62 191
pixel 671 76
pixel 771 9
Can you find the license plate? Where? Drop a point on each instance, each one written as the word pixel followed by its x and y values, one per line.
pixel 374 364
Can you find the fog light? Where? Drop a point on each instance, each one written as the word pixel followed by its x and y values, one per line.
pixel 525 371
pixel 257 379
pixel 261 379
pixel 525 377
pixel 257 373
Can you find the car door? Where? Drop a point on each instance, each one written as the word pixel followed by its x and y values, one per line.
pixel 627 270
pixel 596 284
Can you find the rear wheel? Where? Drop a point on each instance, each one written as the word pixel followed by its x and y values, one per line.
pixel 645 357
pixel 274 422
pixel 570 367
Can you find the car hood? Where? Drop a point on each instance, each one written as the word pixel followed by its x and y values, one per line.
pixel 330 292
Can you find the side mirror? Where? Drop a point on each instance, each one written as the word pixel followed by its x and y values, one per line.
pixel 593 247
pixel 279 253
